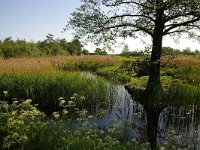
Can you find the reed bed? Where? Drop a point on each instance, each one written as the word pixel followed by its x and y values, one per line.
pixel 26 65
pixel 182 61
pixel 46 64
pixel 183 94
pixel 87 63
pixel 38 78
pixel 46 89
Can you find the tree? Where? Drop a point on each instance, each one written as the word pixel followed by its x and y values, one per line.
pixel 187 51
pixel 125 49
pixel 169 51
pixel 75 47
pixel 99 51
pixel 106 20
pixel 8 47
pixel 85 52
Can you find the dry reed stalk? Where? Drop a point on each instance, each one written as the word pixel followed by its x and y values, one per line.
pixel 45 64
pixel 183 61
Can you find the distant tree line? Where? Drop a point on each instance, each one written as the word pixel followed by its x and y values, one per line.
pixel 165 51
pixel 53 47
pixel 48 47
pixel 174 52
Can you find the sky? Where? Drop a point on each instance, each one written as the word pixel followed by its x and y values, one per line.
pixel 34 19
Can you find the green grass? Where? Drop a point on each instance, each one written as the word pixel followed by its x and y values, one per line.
pixel 87 65
pixel 190 75
pixel 181 93
pixel 111 73
pixel 45 89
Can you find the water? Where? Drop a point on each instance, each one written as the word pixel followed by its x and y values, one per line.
pixel 181 121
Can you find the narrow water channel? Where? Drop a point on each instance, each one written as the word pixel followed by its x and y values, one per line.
pixel 177 124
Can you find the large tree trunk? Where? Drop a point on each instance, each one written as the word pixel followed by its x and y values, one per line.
pixel 154 88
pixel 153 93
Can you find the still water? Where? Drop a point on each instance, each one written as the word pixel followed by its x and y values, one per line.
pixel 180 124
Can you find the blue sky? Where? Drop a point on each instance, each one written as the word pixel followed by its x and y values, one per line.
pixel 34 19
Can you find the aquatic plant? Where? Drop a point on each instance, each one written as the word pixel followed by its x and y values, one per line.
pixel 45 89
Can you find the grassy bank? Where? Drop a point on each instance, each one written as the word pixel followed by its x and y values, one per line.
pixel 45 89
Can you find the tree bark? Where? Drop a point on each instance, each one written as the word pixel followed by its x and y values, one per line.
pixel 154 88
pixel 153 93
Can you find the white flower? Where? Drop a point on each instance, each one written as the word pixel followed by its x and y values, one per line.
pixel 28 101
pixel 82 97
pixel 61 98
pixel 61 103
pixel 90 117
pixel 5 92
pixel 64 112
pixel 71 103
pixel 162 148
pixel 56 115
pixel 76 109
pixel 101 132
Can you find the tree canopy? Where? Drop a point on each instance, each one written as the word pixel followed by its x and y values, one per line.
pixel 106 19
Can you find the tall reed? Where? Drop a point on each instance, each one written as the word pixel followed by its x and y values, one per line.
pixel 45 89
pixel 44 64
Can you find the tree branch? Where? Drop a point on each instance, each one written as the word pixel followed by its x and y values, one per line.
pixel 173 26
pixel 128 15
pixel 127 2
pixel 138 28
pixel 178 15
pixel 177 31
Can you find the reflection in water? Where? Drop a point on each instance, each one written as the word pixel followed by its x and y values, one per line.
pixel 155 120
pixel 184 120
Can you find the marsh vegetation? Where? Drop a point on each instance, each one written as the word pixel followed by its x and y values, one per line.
pixel 84 103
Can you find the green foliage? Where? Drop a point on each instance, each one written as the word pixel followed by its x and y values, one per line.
pixel 84 65
pixel 22 125
pixel 99 51
pixel 112 73
pixel 127 53
pixel 52 47
pixel 138 83
pixel 131 53
pixel 168 51
pixel 48 88
pixel 26 128
pixel 74 47
pixel 189 74
pixel 85 52
pixel 100 22
pixel 49 46
pixel 183 93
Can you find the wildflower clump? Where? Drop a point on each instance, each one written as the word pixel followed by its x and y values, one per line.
pixel 69 109
pixel 23 123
